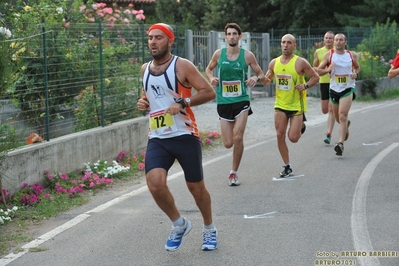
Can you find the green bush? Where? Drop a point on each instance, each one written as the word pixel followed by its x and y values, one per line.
pixel 369 88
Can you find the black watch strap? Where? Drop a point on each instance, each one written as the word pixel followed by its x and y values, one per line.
pixel 181 101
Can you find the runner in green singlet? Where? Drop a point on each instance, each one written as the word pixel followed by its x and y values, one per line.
pixel 232 97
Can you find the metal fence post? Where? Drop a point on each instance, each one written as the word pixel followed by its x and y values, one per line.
pixel 142 40
pixel 100 50
pixel 189 45
pixel 212 45
pixel 266 59
pixel 47 118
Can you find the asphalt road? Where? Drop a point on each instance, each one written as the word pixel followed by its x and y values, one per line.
pixel 341 210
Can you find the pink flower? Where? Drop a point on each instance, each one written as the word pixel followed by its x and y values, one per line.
pixel 91 184
pixel 82 8
pixel 64 176
pixel 111 19
pixel 141 166
pixel 108 10
pixel 140 17
pixel 91 19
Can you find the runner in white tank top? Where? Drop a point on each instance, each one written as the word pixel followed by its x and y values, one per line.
pixel 344 68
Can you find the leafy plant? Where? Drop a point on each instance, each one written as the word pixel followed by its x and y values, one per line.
pixel 7 214
pixel 369 87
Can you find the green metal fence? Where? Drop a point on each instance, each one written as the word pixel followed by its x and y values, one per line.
pixel 72 79
pixel 65 80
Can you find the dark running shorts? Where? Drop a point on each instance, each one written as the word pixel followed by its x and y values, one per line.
pixel 291 113
pixel 335 96
pixel 230 112
pixel 186 149
pixel 324 91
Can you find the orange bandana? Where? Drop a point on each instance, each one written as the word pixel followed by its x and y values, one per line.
pixel 162 28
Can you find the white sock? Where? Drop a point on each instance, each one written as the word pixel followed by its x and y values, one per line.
pixel 179 221
pixel 210 226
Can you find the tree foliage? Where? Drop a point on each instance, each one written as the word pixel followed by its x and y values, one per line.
pixel 261 16
pixel 367 13
pixel 223 11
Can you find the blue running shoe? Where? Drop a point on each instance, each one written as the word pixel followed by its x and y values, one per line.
pixel 327 140
pixel 210 242
pixel 176 236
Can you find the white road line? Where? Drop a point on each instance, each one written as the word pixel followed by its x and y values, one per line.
pixel 41 239
pixel 360 234
pixel 372 144
pixel 378 106
pixel 264 215
pixel 56 231
pixel 289 178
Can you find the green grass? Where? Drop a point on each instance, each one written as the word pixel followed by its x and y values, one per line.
pixel 385 95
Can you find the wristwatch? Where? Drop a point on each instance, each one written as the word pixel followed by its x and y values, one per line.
pixel 181 101
pixel 306 86
pixel 187 102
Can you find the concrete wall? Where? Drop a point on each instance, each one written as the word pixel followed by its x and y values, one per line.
pixel 69 153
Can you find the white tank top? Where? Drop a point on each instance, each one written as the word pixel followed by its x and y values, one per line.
pixel 341 76
pixel 161 92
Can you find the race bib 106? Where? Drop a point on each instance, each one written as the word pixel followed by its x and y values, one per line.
pixel 231 88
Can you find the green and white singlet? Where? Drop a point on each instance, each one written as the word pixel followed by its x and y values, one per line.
pixel 232 76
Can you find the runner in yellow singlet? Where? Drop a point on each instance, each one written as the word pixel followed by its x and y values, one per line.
pixel 290 106
pixel 326 106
